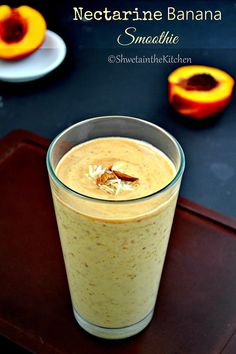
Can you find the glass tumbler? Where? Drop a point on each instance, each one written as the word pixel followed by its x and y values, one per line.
pixel 114 259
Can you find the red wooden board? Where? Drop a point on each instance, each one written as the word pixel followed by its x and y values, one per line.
pixel 196 308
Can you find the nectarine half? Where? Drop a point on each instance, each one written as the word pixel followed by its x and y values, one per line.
pixel 22 31
pixel 199 91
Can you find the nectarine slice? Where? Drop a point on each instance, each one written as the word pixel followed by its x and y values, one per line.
pixel 22 31
pixel 199 91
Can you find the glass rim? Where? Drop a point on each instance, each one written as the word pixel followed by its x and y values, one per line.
pixel 54 177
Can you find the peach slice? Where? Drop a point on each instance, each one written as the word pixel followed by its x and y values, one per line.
pixel 199 91
pixel 22 31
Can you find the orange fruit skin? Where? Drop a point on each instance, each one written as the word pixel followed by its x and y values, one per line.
pixel 194 109
pixel 199 104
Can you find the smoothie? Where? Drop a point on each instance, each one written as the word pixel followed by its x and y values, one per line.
pixel 114 245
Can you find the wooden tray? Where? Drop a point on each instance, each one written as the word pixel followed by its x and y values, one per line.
pixel 196 307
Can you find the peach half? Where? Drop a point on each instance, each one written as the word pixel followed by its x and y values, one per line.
pixel 22 31
pixel 199 91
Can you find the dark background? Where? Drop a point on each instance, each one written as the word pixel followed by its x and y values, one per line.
pixel 86 85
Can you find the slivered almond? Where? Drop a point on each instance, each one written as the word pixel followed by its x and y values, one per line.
pixel 124 176
pixel 105 177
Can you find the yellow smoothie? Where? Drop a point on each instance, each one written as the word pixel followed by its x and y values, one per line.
pixel 114 246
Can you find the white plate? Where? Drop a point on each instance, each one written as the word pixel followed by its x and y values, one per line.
pixel 41 62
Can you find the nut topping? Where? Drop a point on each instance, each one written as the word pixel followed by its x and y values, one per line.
pixel 111 181
pixel 124 176
pixel 106 176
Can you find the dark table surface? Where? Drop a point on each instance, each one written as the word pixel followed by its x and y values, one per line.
pixel 86 85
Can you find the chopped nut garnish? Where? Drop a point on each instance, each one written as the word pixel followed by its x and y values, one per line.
pixel 111 181
pixel 105 177
pixel 124 176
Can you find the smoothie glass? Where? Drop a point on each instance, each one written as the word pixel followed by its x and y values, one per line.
pixel 114 250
